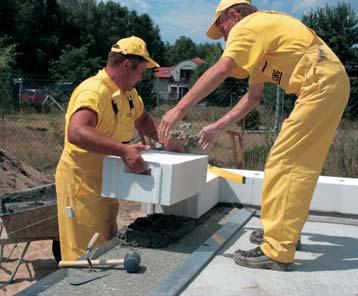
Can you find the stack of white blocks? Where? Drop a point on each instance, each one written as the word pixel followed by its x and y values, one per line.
pixel 332 195
pixel 186 189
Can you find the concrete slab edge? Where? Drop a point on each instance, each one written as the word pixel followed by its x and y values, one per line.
pixel 180 278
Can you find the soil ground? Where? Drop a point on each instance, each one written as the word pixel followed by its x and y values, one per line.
pixel 38 261
pixel 16 175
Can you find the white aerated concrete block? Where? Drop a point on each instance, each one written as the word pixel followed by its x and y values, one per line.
pixel 327 196
pixel 193 207
pixel 173 178
pixel 349 196
pixel 248 193
pixel 332 194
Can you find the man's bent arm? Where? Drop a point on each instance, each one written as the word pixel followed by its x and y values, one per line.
pixel 82 133
pixel 247 103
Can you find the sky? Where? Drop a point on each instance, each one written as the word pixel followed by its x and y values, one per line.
pixel 191 18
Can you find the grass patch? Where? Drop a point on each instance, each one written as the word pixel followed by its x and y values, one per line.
pixel 37 139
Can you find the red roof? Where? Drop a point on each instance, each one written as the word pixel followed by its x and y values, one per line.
pixel 163 72
pixel 167 72
pixel 198 60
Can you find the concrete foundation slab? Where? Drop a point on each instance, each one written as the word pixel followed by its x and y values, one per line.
pixel 326 265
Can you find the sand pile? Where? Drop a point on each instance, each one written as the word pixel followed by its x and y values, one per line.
pixel 16 175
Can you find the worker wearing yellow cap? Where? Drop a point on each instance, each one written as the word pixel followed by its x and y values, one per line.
pixel 274 47
pixel 102 114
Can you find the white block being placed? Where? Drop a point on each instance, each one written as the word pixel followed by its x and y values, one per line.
pixel 193 207
pixel 173 178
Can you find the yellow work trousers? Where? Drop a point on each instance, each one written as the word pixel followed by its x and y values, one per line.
pixel 92 213
pixel 297 156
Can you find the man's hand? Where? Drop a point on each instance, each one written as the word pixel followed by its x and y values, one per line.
pixel 208 136
pixel 132 158
pixel 169 119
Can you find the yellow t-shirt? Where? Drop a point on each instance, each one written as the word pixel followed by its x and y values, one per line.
pixel 116 111
pixel 267 45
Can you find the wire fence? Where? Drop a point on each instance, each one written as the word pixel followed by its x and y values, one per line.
pixel 32 110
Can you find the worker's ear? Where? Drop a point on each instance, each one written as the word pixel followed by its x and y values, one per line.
pixel 127 64
pixel 235 15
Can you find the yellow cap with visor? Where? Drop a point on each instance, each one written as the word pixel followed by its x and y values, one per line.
pixel 134 46
pixel 213 31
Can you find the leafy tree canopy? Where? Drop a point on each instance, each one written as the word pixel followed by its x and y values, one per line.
pixel 336 25
pixel 74 65
pixel 7 54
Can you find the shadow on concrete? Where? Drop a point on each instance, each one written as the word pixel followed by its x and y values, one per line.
pixel 334 253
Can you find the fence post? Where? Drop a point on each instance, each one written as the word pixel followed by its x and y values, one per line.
pixel 21 90
pixel 237 147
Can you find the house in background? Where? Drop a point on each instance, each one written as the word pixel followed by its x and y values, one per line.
pixel 172 83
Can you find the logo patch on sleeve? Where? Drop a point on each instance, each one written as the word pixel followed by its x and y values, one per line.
pixel 276 76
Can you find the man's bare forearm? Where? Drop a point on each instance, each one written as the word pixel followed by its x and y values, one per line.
pixel 237 113
pixel 247 103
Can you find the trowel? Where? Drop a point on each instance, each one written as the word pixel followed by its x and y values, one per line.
pixel 79 276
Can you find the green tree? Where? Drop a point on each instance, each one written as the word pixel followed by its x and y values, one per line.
pixel 75 65
pixel 43 28
pixel 7 14
pixel 206 50
pixel 36 26
pixel 143 27
pixel 337 26
pixel 111 25
pixel 183 49
pixel 7 61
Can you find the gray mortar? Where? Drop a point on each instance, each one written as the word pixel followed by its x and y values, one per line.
pixel 156 265
pixel 27 199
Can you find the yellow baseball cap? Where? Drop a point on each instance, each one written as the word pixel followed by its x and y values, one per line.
pixel 135 46
pixel 213 31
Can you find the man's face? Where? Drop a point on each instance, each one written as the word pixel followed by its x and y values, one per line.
pixel 225 22
pixel 134 74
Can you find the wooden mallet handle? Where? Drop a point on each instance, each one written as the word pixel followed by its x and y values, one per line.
pixel 92 241
pixel 84 263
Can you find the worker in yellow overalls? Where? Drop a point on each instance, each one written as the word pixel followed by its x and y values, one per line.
pixel 277 48
pixel 102 114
